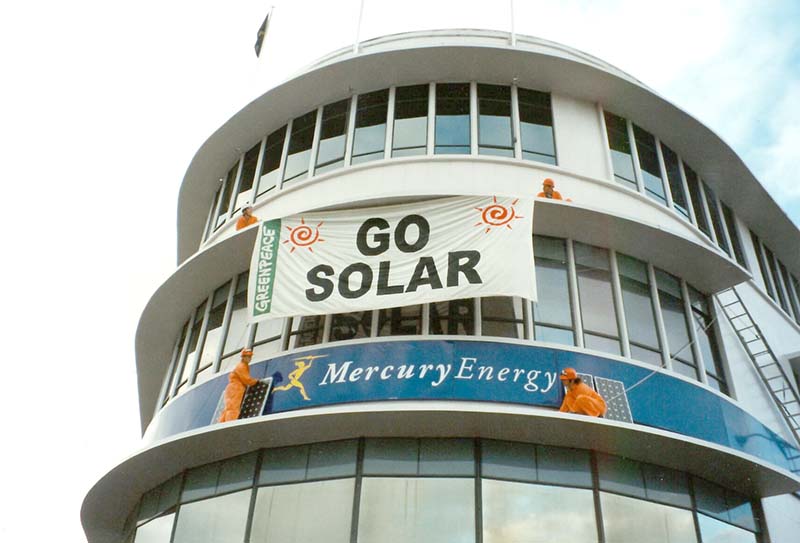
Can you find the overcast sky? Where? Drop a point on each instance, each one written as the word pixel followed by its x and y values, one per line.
pixel 105 103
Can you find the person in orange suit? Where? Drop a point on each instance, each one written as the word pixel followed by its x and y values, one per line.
pixel 549 191
pixel 247 217
pixel 580 398
pixel 238 380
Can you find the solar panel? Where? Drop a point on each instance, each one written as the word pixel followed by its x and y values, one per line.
pixel 255 399
pixel 613 392
pixel 588 379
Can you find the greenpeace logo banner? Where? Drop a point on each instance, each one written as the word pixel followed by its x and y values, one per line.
pixel 392 256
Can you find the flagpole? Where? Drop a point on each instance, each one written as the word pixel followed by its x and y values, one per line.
pixel 358 27
pixel 513 34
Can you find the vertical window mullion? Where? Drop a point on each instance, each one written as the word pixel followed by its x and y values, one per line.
pixel 326 328
pixel 515 123
pixel 350 138
pixel 200 340
pixel 312 160
pixel 661 328
pixel 698 354
pixel 616 291
pixel 236 183
pixel 387 148
pixel 226 322
pixel 257 179
pixel 176 377
pixel 724 226
pixel 664 176
pixel 473 118
pixel 207 229
pixel 164 392
pixel 706 212
pixel 577 319
pixel 606 142
pixel 284 154
pixel 476 309
pixel 426 320
pixel 431 119
pixel 637 168
pixel 685 184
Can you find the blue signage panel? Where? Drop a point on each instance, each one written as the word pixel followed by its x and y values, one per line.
pixel 488 371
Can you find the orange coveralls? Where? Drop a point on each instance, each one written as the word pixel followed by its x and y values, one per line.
pixel 584 401
pixel 556 195
pixel 238 380
pixel 244 222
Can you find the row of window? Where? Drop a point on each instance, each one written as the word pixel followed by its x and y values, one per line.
pixel 588 297
pixel 436 118
pixel 439 490
pixel 644 163
pixel 781 286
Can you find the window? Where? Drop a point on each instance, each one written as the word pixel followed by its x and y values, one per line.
pixel 716 220
pixel 300 142
pixel 502 316
pixel 762 265
pixel 639 310
pixel 271 161
pixel 225 198
pixel 158 530
pixel 793 301
pixel 776 280
pixel 593 269
pixel 673 313
pixel 217 520
pixel 494 121
pixel 268 338
pixel 400 321
pixel 410 135
pixel 453 317
pixel 648 163
pixel 706 341
pixel 214 332
pixel 730 222
pixel 369 138
pixel 236 337
pixel 697 200
pixel 332 137
pixel 723 504
pixel 675 181
pixel 552 313
pixel 452 119
pixel 628 520
pixel 306 331
pixel 191 351
pixel 248 176
pixel 536 126
pixel 620 147
pixel 351 326
pixel 212 214
pixel 178 369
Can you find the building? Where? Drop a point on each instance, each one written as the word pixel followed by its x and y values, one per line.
pixel 634 276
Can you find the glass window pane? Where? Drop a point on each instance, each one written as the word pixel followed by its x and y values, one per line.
pixel 410 135
pixel 431 510
pixel 552 283
pixel 600 343
pixel 628 520
pixel 237 330
pixel 248 175
pixel 715 531
pixel 351 326
pixel 787 283
pixel 723 504
pixel 216 520
pixel 446 457
pixel 620 147
pixel 562 466
pixel 452 119
pixel 776 280
pixel 227 190
pixel 400 321
pixel 170 492
pixel 520 512
pixel 706 341
pixel 494 120
pixel 670 298
pixel 502 316
pixel 283 465
pixel 508 460
pixel 391 457
pixel 319 511
pixel 666 485
pixel 536 126
pixel 306 331
pixel 332 136
pixel 648 162
pixel 200 482
pixel 594 289
pixel 554 335
pixel 158 530
pixel 334 459
pixel 672 165
pixel 369 139
pixel 620 475
pixel 194 338
pixel 716 220
pixel 214 331
pixel 697 203
pixel 300 143
pixel 268 338
pixel 453 317
pixel 762 265
pixel 730 223
pixel 237 473
pixel 271 161
pixel 637 303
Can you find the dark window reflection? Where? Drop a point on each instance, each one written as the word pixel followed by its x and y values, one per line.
pixel 271 161
pixel 620 146
pixel 248 175
pixel 351 326
pixel 596 298
pixel 300 142
pixel 494 121
pixel 400 321
pixel 453 317
pixel 670 298
pixel 716 220
pixel 452 119
pixel 369 139
pixel 697 203
pixel 306 331
pixel 706 340
pixel 639 310
pixel 410 135
pixel 776 280
pixel 332 137
pixel 536 126
pixel 672 165
pixel 730 222
pixel 648 162
pixel 501 316
pixel 225 199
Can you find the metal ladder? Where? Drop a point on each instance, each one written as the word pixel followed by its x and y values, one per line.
pixel 764 360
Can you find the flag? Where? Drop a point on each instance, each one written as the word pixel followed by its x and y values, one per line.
pixel 262 32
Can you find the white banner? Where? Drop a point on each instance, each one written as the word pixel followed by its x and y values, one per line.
pixel 383 257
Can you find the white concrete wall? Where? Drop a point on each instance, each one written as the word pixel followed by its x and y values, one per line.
pixel 579 137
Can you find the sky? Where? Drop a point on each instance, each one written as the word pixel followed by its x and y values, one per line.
pixel 105 103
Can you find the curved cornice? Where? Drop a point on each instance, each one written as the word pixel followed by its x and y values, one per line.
pixel 484 56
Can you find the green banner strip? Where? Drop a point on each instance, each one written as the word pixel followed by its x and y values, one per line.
pixel 266 268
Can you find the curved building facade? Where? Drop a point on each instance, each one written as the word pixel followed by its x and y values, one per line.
pixel 667 277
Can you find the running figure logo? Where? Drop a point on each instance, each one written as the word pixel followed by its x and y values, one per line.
pixel 301 365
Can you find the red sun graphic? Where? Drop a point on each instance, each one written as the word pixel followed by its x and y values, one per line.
pixel 497 215
pixel 303 236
